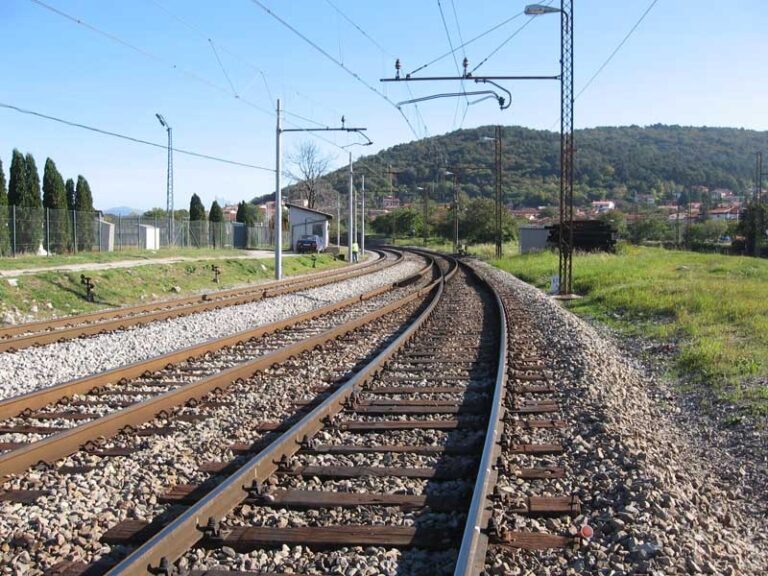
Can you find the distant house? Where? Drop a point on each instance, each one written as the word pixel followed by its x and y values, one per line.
pixel 230 212
pixel 603 206
pixel 725 213
pixel 390 202
pixel 302 220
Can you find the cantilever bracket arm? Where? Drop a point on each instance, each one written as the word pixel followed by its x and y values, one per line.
pixel 490 94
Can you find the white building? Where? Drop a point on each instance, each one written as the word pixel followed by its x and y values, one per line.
pixel 303 221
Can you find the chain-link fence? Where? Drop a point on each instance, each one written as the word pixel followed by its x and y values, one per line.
pixel 47 231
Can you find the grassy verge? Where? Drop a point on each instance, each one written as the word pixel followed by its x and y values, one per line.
pixel 712 307
pixel 59 293
pixel 33 261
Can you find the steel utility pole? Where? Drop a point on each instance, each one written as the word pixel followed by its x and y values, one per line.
pixel 362 215
pixel 350 221
pixel 169 182
pixel 499 206
pixel 566 147
pixel 278 184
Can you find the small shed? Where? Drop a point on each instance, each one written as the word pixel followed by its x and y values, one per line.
pixel 303 221
pixel 533 238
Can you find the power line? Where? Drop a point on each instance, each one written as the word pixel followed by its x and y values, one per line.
pixel 455 62
pixel 131 138
pixel 383 50
pixel 607 60
pixel 336 61
pixel 467 43
pixel 500 46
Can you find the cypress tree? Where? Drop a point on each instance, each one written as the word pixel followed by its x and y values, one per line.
pixel 242 213
pixel 55 202
pixel 85 215
pixel 196 208
pixel 69 186
pixel 198 222
pixel 215 216
pixel 24 194
pixel 5 245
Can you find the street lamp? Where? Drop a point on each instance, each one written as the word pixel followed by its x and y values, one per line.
pixel 169 183
pixel 565 235
pixel 539 9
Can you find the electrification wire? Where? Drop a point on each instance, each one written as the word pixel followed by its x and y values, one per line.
pixel 463 53
pixel 509 38
pixel 131 138
pixel 149 55
pixel 615 51
pixel 455 61
pixel 224 70
pixel 196 77
pixel 467 43
pixel 340 64
pixel 384 51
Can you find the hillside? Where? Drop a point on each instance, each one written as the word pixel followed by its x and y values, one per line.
pixel 611 162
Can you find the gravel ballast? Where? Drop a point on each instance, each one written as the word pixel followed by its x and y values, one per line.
pixel 33 368
pixel 660 500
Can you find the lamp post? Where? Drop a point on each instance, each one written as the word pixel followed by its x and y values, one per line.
pixel 565 240
pixel 169 182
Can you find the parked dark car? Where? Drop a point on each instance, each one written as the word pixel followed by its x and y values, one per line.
pixel 310 243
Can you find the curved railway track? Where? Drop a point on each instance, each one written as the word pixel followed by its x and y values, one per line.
pixel 49 423
pixel 21 336
pixel 425 410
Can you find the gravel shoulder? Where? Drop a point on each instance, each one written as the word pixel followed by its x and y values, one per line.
pixel 664 490
pixel 33 368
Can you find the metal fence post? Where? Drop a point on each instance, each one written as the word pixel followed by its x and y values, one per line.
pixel 74 227
pixel 14 229
pixel 119 233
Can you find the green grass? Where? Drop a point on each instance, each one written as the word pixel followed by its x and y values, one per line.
pixel 713 307
pixel 485 250
pixel 59 293
pixel 33 261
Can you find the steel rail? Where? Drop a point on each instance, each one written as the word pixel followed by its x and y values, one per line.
pixel 15 406
pixel 130 316
pixel 474 542
pixel 65 443
pixel 187 529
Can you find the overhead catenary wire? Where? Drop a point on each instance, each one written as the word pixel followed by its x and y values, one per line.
pixel 455 61
pixel 467 43
pixel 131 138
pixel 383 50
pixel 336 61
pixel 616 50
pixel 222 89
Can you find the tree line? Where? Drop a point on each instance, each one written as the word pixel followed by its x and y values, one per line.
pixel 25 213
pixel 619 163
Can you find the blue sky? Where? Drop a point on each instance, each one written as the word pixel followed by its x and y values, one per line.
pixel 689 62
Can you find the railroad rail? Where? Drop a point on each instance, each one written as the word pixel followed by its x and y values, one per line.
pixel 21 336
pixel 429 407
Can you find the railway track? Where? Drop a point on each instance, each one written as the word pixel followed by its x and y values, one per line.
pixel 408 440
pixel 22 336
pixel 48 424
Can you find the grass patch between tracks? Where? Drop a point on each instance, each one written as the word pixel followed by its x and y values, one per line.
pixel 711 307
pixel 58 293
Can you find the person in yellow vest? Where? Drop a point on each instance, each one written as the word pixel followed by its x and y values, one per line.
pixel 355 251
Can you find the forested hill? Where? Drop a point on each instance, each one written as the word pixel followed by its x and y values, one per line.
pixel 611 162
